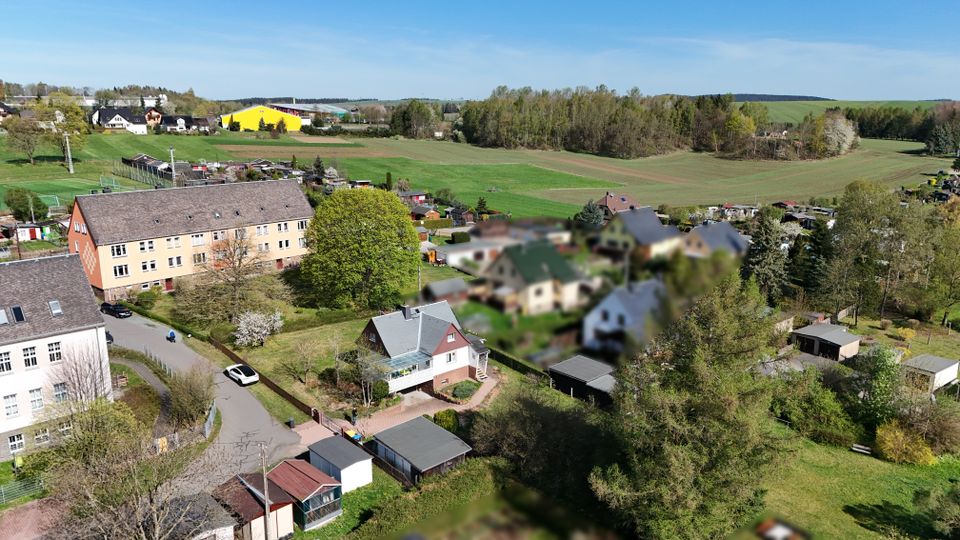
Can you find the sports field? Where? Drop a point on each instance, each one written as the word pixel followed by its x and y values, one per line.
pixel 794 111
pixel 524 182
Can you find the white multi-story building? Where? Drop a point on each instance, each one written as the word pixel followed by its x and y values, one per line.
pixel 52 349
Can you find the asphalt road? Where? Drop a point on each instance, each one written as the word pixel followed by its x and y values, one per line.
pixel 245 422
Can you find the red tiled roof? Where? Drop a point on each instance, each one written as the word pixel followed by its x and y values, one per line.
pixel 299 478
pixel 617 203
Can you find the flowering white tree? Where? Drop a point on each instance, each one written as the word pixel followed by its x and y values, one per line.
pixel 254 327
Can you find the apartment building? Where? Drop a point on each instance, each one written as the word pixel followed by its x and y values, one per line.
pixel 52 348
pixel 129 242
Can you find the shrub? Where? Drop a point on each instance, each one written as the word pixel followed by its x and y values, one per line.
pixel 913 323
pixel 905 334
pixel 223 332
pixel 191 393
pixel 885 323
pixel 464 389
pixel 937 422
pixel 148 299
pixel 459 238
pixel 900 445
pixel 813 410
pixel 447 419
pixel 433 224
pixel 253 328
pixel 380 390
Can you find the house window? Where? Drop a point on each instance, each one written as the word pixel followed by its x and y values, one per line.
pixel 604 315
pixel 199 258
pixel 30 357
pixel 144 286
pixel 175 262
pixel 451 357
pixel 76 226
pixel 148 266
pixel 219 235
pixel 83 228
pixel 15 442
pixel 5 366
pixel 302 225
pixel 3 317
pixel 60 392
pixel 264 247
pixel 41 436
pixel 55 308
pixel 121 270
pixel 36 399
pixel 284 244
pixel 146 245
pixel 263 230
pixel 372 337
pixel 240 234
pixel 426 363
pixel 283 227
pixel 450 338
pixel 118 250
pixel 196 240
pixel 10 405
pixel 538 291
pixel 18 315
pixel 65 428
pixel 621 320
pixel 303 242
pixel 173 242
pixel 54 350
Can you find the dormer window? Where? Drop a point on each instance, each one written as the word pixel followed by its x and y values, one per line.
pixel 55 308
pixel 18 315
pixel 3 317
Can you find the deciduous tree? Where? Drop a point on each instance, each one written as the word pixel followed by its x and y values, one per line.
pixel 25 205
pixel 23 136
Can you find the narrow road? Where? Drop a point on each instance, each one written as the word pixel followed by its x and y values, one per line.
pixel 246 423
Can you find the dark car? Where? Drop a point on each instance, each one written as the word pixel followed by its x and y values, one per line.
pixel 117 310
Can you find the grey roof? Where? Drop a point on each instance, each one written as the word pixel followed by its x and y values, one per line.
pixel 411 193
pixel 156 213
pixel 603 383
pixel 640 300
pixel 423 443
pixel 645 227
pixel 832 333
pixel 311 107
pixel 582 368
pixel 32 284
pixel 426 325
pixel 448 286
pixel 930 363
pixel 339 452
pixel 722 235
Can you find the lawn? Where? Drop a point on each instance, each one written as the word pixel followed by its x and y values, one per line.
pixel 142 398
pixel 940 343
pixel 520 335
pixel 794 111
pixel 357 507
pixel 835 493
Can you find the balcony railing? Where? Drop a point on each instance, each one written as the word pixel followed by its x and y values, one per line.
pixel 325 512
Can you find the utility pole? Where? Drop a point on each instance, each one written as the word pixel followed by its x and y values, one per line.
pixel 173 171
pixel 16 236
pixel 268 530
pixel 69 155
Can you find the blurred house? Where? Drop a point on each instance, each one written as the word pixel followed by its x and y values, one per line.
pixel 611 204
pixel 471 257
pixel 535 279
pixel 707 238
pixel 452 291
pixel 628 312
pixel 639 232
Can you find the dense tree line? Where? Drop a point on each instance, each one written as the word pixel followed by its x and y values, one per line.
pixel 938 128
pixel 633 125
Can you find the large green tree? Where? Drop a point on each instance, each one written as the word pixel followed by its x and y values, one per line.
pixel 363 249
pixel 414 119
pixel 67 118
pixel 25 204
pixel 590 216
pixel 693 417
pixel 765 261
pixel 23 136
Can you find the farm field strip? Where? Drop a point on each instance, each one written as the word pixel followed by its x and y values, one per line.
pixel 794 111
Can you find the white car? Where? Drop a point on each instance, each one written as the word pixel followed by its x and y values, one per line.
pixel 243 374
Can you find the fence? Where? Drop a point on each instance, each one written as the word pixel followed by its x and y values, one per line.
pixel 514 363
pixel 19 488
pixel 844 313
pixel 179 439
pixel 211 417
pixel 140 174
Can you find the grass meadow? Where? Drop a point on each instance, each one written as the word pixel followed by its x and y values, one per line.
pixel 794 111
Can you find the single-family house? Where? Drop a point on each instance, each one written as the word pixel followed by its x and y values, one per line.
pixel 422 211
pixel 120 118
pixel 152 116
pixel 805 220
pixel 243 496
pixel 452 291
pixel 413 198
pixel 423 346
pixel 6 111
pixel 132 241
pixel 344 461
pixel 611 204
pixel 177 124
pixel 628 312
pixel 584 378
pixel 316 495
pixel 639 232
pixel 709 237
pixel 418 448
pixel 471 257
pixel 929 373
pixel 461 216
pixel 51 330
pixel 827 340
pixel 537 277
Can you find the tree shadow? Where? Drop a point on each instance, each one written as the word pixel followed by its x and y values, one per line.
pixel 887 517
pixel 38 160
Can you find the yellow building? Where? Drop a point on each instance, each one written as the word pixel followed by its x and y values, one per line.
pixel 132 241
pixel 250 117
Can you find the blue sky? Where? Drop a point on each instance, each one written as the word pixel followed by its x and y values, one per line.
pixel 839 49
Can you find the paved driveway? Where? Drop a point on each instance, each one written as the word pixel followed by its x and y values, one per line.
pixel 245 421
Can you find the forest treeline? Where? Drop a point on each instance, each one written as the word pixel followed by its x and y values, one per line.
pixel 938 128
pixel 599 121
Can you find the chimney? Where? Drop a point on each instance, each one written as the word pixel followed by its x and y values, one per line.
pixel 407 311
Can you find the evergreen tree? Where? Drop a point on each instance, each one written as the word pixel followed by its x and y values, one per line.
pixel 389 184
pixel 692 413
pixel 293 162
pixel 481 207
pixel 590 216
pixel 765 261
pixel 318 165
pixel 262 126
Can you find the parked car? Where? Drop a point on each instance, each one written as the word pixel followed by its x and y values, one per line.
pixel 243 374
pixel 109 338
pixel 117 310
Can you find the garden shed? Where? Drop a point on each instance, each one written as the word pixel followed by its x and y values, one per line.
pixel 343 460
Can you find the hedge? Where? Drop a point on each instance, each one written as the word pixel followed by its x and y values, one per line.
pixel 184 329
pixel 431 224
pixel 325 317
pixel 517 364
pixel 473 479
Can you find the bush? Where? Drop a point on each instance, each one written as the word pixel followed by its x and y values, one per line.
pixel 148 299
pixel 459 238
pixel 937 422
pixel 191 393
pixel 253 328
pixel 905 334
pixel 433 224
pixel 223 332
pixel 885 323
pixel 913 323
pixel 464 389
pixel 813 410
pixel 380 390
pixel 447 419
pixel 900 445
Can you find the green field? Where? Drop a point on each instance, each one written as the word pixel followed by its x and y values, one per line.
pixel 794 111
pixel 523 182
